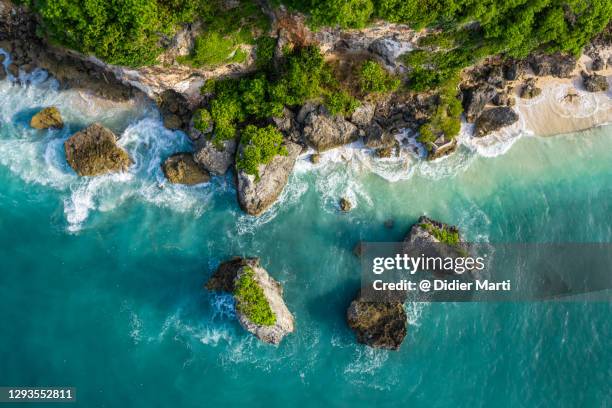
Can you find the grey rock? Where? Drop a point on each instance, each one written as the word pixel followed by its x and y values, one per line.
pixel 494 119
pixel 529 90
pixel 558 65
pixel 324 131
pixel 598 63
pixel 363 114
pixel 256 196
pixel 475 99
pixel 217 159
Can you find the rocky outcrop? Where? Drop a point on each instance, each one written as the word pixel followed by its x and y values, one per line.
pixel 494 119
pixel 598 63
pixel 558 65
pixel 363 114
pixel 94 151
pixel 345 204
pixel 475 99
pixel 228 277
pixel 257 195
pixel 503 99
pixel 529 90
pixel 323 131
pixel 217 158
pixel 48 118
pixel 442 149
pixel 378 324
pixel 180 168
pixel 175 110
pixel 594 82
pixel 426 231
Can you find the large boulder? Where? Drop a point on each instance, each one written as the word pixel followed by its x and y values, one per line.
pixel 363 114
pixel 216 157
pixel 260 307
pixel 180 168
pixel 48 118
pixel 378 324
pixel 494 119
pixel 94 151
pixel 529 90
pixel 324 131
pixel 475 99
pixel 257 195
pixel 558 65
pixel 594 82
pixel 428 231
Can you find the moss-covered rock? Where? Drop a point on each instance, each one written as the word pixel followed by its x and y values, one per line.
pixel 181 168
pixel 378 324
pixel 48 118
pixel 94 151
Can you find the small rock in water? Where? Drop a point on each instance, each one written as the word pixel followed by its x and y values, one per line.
pixel 13 69
pixel 494 119
pixel 358 249
pixel 180 168
pixel 345 205
pixel 389 223
pixel 47 118
pixel 315 158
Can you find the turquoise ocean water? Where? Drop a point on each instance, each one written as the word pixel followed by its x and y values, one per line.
pixel 101 285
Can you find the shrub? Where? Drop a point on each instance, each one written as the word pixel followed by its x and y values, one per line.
pixel 373 78
pixel 341 103
pixel 251 301
pixel 259 146
pixel 264 52
pixel 444 235
pixel 202 120
pixel 446 120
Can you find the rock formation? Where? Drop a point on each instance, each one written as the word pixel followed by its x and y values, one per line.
pixel 324 131
pixel 493 119
pixel 257 195
pixel 48 118
pixel 594 82
pixel 94 151
pixel 232 276
pixel 378 324
pixel 180 168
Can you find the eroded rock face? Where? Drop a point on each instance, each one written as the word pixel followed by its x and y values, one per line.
pixel 175 110
pixel 256 196
pixel 48 118
pixel 594 82
pixel 180 168
pixel 378 324
pixel 94 151
pixel 225 279
pixel 475 99
pixel 323 131
pixel 558 65
pixel 494 119
pixel 217 159
pixel 363 114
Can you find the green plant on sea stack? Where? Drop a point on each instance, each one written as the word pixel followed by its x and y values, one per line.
pixel 250 299
pixel 260 146
pixel 443 234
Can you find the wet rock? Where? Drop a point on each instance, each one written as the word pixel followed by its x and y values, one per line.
pixel 228 276
pixel 594 82
pixel 13 69
pixel 324 131
pixel 380 325
pixel 94 151
pixel 558 65
pixel 175 110
pixel 3 73
pixel 315 158
pixel 439 150
pixel 358 249
pixel 47 118
pixel 494 119
pixel 180 168
pixel 529 89
pixel 598 63
pixel 424 231
pixel 256 196
pixel 215 157
pixel 345 205
pixel 377 138
pixel 513 69
pixel 475 99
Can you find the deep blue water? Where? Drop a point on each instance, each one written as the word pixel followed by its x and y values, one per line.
pixel 101 286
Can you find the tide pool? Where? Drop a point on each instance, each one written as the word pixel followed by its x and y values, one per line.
pixel 102 279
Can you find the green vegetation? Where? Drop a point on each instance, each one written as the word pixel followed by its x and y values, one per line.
pixel 226 32
pixel 118 32
pixel 373 78
pixel 444 235
pixel 341 103
pixel 445 121
pixel 202 120
pixel 260 146
pixel 250 300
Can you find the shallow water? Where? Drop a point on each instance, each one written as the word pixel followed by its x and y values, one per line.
pixel 101 283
